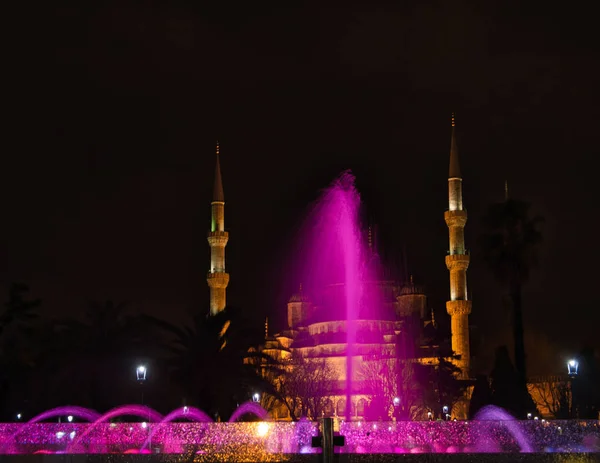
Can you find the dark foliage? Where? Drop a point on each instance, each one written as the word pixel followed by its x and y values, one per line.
pixel 16 349
pixel 210 364
pixel 482 395
pixel 586 386
pixel 506 389
pixel 509 246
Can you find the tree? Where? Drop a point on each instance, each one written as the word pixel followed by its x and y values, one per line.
pixel 305 386
pixel 554 394
pixel 90 362
pixel 381 386
pixel 17 309
pixel 420 388
pixel 440 385
pixel 482 395
pixel 17 348
pixel 211 364
pixel 586 389
pixel 509 245
pixel 507 392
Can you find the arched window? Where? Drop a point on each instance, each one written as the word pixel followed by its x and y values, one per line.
pixel 341 407
pixel 328 409
pixel 362 405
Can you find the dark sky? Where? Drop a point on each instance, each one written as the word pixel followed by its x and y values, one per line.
pixel 114 109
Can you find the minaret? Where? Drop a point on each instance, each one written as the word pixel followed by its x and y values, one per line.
pixel 457 261
pixel 217 278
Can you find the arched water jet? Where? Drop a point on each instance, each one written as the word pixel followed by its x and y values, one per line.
pixel 497 414
pixel 249 407
pixel 81 413
pixel 189 413
pixel 140 411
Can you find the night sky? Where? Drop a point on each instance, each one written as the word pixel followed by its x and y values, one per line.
pixel 114 110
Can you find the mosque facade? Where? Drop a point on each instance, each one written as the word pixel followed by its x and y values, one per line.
pixel 315 350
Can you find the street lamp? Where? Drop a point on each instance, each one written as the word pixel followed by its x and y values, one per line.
pixel 19 416
pixel 445 412
pixel 572 367
pixel 140 373
pixel 396 403
pixel 70 418
pixel 256 397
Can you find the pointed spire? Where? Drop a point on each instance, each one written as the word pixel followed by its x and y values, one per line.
pixel 432 317
pixel 505 190
pixel 266 327
pixel 454 164
pixel 404 262
pixel 218 195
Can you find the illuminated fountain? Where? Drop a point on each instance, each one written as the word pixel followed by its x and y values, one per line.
pixel 493 432
pixel 339 273
pixel 338 259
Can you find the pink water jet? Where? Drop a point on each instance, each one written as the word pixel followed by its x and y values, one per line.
pixel 188 413
pixel 253 408
pixel 141 411
pixel 499 415
pixel 81 413
pixel 338 269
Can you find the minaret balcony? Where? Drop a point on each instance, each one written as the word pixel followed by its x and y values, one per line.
pixel 218 238
pixel 452 252
pixel 457 308
pixel 457 261
pixel 217 279
pixel 456 218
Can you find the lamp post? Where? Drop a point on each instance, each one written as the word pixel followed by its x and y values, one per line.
pixel 572 370
pixel 396 404
pixel 572 367
pixel 140 374
pixel 256 397
pixel 445 412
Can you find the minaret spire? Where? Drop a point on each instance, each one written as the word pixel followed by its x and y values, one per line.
pixel 218 185
pixel 457 262
pixel 454 171
pixel 217 278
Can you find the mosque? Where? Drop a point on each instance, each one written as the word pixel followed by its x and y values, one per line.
pixel 404 328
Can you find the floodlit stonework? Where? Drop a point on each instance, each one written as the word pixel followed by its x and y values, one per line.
pixel 217 277
pixel 400 334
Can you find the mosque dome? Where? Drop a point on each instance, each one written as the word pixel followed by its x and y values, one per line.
pixel 300 296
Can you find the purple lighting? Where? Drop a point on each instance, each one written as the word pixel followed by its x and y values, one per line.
pixel 140 411
pixel 249 408
pixel 339 271
pixel 494 432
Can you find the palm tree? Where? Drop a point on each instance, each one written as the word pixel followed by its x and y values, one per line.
pixel 91 362
pixel 16 347
pixel 509 246
pixel 211 363
pixel 17 309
